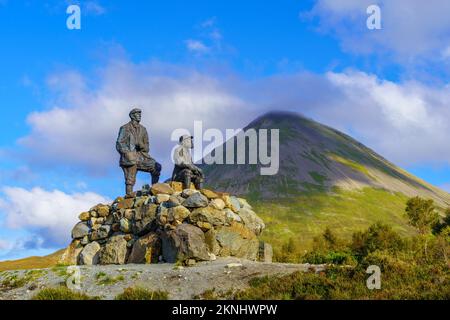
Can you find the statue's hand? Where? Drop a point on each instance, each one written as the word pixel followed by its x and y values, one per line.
pixel 199 171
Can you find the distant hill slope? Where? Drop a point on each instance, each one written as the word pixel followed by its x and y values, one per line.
pixel 32 262
pixel 325 178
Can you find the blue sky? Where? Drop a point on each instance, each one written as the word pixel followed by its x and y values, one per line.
pixel 63 93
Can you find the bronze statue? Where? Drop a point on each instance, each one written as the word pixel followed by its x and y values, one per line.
pixel 185 171
pixel 132 144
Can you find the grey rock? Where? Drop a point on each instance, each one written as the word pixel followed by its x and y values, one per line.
pixel 146 249
pixel 80 230
pixel 183 243
pixel 209 214
pixel 251 220
pixel 102 233
pixel 186 193
pixel 114 251
pixel 235 202
pixel 196 200
pixel 233 244
pixel 144 219
pixel 125 225
pixel 90 254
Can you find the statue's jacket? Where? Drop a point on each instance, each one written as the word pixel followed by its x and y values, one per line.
pixel 182 159
pixel 132 144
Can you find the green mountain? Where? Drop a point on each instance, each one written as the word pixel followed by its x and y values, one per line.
pixel 325 178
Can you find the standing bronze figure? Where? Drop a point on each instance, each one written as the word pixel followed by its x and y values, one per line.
pixel 133 146
pixel 185 171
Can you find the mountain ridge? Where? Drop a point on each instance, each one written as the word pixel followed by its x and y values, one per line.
pixel 314 156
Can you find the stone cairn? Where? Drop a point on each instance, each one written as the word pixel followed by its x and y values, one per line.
pixel 165 223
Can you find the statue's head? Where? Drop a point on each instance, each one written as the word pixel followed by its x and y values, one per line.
pixel 135 114
pixel 186 141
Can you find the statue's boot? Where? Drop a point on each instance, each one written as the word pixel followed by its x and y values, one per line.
pixel 199 185
pixel 155 179
pixel 187 182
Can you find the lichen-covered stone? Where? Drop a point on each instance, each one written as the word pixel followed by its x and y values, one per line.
pixel 102 210
pixel 183 243
pixel 161 197
pixel 146 249
pixel 84 216
pixel 114 251
pixel 208 214
pixel 196 200
pixel 80 230
pixel 158 188
pixel 90 254
pixel 209 194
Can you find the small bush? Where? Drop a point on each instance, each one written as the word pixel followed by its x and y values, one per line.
pixel 61 293
pixel 141 294
pixel 104 280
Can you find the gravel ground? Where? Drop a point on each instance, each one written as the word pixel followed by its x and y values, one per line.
pixel 107 281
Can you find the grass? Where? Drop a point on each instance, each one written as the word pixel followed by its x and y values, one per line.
pixel 351 164
pixel 339 283
pixel 13 280
pixel 412 268
pixel 60 270
pixel 307 216
pixel 61 293
pixel 104 280
pixel 138 293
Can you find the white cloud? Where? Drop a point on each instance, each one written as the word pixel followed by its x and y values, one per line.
pixel 196 46
pixel 410 28
pixel 406 122
pixel 48 214
pixel 93 7
pixel 80 129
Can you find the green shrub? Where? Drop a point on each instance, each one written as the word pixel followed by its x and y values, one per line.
pixel 421 214
pixel 141 294
pixel 378 237
pixel 61 293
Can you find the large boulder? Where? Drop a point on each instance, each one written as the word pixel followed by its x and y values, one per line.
pixel 195 200
pixel 146 249
pixel 208 217
pixel 251 220
pixel 101 233
pixel 237 242
pixel 164 188
pixel 114 251
pixel 144 218
pixel 80 230
pixel 90 254
pixel 176 215
pixel 184 243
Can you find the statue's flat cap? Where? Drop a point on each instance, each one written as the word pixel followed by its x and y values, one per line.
pixel 135 110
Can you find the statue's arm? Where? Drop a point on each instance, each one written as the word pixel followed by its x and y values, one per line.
pixel 121 145
pixel 184 161
pixel 146 147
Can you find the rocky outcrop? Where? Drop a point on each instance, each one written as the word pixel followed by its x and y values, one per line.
pixel 165 223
